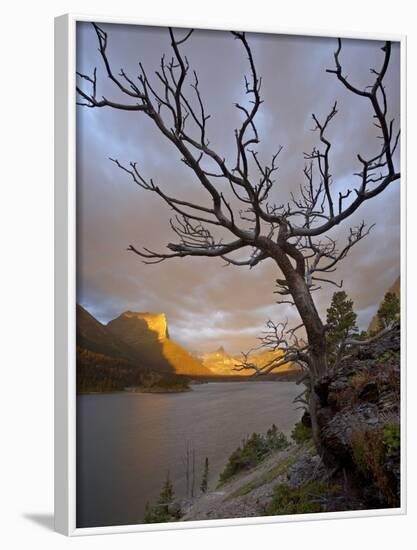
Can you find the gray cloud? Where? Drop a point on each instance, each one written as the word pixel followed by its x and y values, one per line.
pixel 207 304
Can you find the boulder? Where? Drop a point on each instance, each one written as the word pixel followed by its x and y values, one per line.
pixel 359 411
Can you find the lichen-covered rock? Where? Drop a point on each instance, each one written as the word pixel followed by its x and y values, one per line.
pixel 359 418
pixel 306 468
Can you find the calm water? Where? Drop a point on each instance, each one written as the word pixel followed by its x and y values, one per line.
pixel 126 443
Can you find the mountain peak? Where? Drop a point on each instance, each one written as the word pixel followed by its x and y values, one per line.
pixel 148 321
pixel 147 334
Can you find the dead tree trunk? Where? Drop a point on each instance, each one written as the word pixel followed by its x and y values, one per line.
pixel 315 331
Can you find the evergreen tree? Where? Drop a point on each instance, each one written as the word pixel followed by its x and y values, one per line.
pixel 204 480
pixel 167 494
pixel 160 512
pixel 341 322
pixel 149 516
pixel 389 310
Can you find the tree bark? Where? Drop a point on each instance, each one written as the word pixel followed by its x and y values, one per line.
pixel 317 351
pixel 316 337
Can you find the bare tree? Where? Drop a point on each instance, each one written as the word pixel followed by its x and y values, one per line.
pixel 294 234
pixel 189 463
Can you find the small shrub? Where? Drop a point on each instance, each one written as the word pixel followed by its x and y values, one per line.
pixel 368 452
pixel 253 451
pixel 275 440
pixel 359 379
pixel 392 437
pixel 388 356
pixel 371 452
pixel 301 433
pixel 298 500
pixel 266 477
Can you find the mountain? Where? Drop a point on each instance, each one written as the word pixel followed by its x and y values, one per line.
pixel 142 340
pixel 394 289
pixel 97 338
pixel 221 363
pixel 147 335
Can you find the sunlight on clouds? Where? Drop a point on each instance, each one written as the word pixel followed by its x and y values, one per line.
pixel 207 304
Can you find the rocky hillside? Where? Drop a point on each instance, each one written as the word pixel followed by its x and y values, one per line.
pixel 360 434
pixel 292 481
pixel 360 419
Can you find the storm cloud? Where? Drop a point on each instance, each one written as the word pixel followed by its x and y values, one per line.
pixel 207 304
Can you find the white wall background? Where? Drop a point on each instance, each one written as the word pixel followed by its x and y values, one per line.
pixel 26 305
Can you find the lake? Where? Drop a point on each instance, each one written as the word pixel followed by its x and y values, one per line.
pixel 128 442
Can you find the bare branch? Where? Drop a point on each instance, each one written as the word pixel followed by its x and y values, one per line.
pixel 383 332
pixel 292 233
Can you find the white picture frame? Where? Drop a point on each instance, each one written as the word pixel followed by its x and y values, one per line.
pixel 65 286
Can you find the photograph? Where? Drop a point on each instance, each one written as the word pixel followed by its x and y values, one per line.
pixel 238 274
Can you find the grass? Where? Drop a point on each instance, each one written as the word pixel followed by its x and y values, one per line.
pixel 266 477
pixel 392 437
pixel 278 470
pixel 301 433
pixel 307 499
pixel 253 451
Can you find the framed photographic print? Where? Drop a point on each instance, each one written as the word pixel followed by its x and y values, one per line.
pixel 230 276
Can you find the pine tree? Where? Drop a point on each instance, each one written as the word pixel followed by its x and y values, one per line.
pixel 389 310
pixel 160 512
pixel 167 494
pixel 204 480
pixel 149 515
pixel 341 322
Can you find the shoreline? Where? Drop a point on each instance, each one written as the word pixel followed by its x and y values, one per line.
pixel 159 390
pixel 135 390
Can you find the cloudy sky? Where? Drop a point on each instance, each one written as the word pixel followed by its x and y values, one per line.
pixel 207 304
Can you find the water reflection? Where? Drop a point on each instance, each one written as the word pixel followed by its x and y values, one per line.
pixel 127 442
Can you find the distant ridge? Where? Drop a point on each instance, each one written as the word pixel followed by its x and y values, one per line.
pixel 96 337
pixel 221 363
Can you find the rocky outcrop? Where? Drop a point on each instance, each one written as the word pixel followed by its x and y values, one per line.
pixel 359 419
